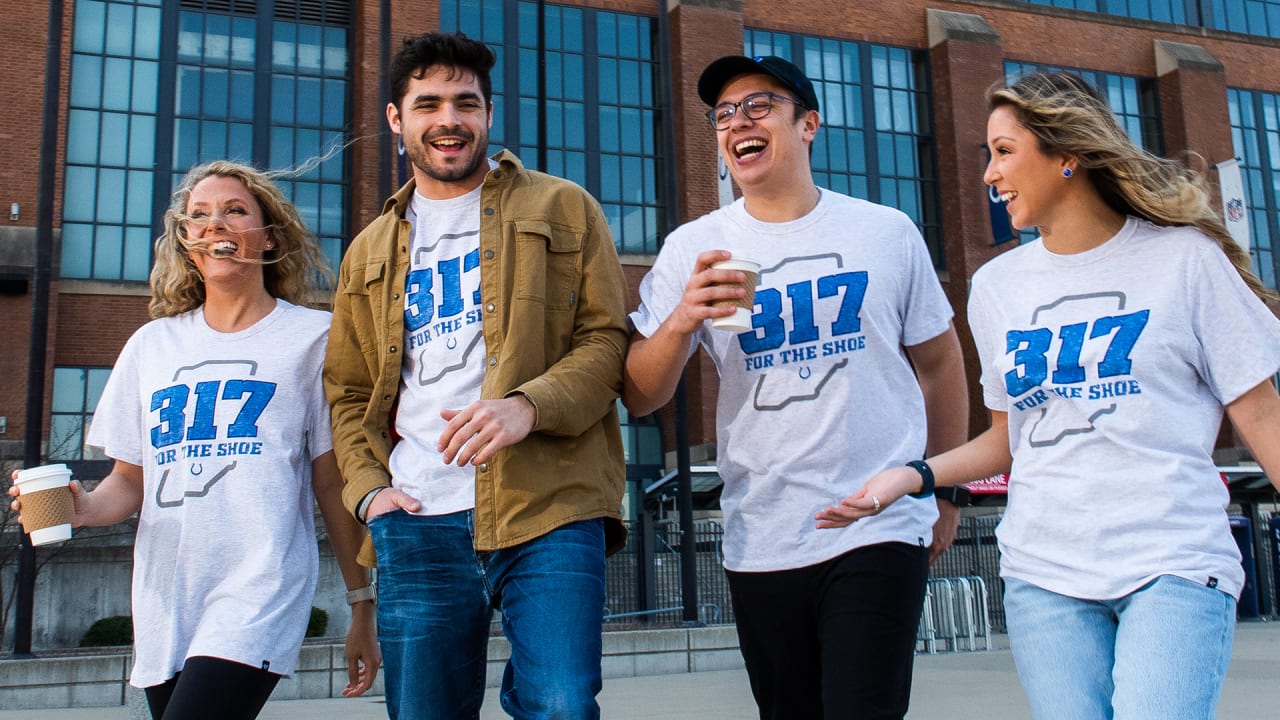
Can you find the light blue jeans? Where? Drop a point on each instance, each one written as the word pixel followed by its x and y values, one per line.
pixel 1159 652
pixel 436 595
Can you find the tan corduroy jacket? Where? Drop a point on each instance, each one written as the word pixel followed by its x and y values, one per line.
pixel 554 299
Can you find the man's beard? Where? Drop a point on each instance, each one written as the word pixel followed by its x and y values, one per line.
pixel 420 155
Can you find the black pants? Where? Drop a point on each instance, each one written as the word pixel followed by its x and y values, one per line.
pixel 213 689
pixel 836 639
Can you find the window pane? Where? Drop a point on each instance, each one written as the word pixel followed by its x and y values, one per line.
pixel 95 382
pixel 119 29
pixel 308 101
pixel 335 103
pixel 65 439
pixel 186 143
pixel 190 37
pixel 213 141
pixel 137 254
pixel 68 390
pixel 309 48
pixel 86 81
pixel 240 142
pixel 331 205
pixel 283 46
pixel 77 250
pixel 335 51
pixel 115 84
pixel 213 95
pixel 82 137
pixel 187 90
pixel 82 183
pixel 145 81
pixel 114 140
pixel 90 26
pixel 241 96
pixel 242 42
pixel 146 33
pixel 281 147
pixel 111 195
pixel 217 39
pixel 139 207
pixel 282 99
pixel 107 251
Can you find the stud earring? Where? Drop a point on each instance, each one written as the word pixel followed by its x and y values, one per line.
pixel 1066 172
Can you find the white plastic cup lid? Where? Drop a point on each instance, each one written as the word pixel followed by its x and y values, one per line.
pixel 42 471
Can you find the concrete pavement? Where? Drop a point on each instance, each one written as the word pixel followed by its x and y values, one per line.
pixel 962 686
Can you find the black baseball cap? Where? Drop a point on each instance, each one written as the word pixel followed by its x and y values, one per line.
pixel 719 73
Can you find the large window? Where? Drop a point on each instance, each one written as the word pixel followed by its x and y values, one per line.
pixel 1255 132
pixel 107 214
pixel 598 101
pixel 1252 17
pixel 877 138
pixel 76 391
pixel 159 87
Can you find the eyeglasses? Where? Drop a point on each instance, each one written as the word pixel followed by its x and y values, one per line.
pixel 755 106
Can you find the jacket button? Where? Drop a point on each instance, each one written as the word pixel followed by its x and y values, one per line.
pixel 493 361
pixel 386 397
pixel 392 349
pixel 490 307
pixel 488 211
pixel 395 296
pixel 484 467
pixel 488 254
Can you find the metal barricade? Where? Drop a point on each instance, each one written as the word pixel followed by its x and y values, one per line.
pixel 955 616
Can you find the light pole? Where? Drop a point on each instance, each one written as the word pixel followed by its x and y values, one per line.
pixel 26 580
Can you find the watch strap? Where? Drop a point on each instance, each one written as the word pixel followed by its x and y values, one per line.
pixel 368 592
pixel 957 495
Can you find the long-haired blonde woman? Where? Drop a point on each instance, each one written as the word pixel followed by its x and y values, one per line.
pixel 1110 350
pixel 216 420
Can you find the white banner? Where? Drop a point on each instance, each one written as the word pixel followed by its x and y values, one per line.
pixel 1235 209
pixel 725 183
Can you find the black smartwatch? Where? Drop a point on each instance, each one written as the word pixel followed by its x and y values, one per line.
pixel 957 495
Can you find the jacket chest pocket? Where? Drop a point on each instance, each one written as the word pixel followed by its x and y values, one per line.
pixel 363 291
pixel 548 264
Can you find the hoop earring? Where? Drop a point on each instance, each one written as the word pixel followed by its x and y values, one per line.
pixel 1066 172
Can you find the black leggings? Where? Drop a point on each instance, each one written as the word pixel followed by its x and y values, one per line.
pixel 213 689
pixel 836 640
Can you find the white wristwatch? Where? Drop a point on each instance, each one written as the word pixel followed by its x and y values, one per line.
pixel 368 592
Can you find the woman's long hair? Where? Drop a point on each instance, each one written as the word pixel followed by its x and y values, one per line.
pixel 1068 116
pixel 294 269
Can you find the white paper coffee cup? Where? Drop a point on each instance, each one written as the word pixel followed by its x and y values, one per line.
pixel 46 502
pixel 740 320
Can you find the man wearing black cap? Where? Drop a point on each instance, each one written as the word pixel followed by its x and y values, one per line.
pixel 850 365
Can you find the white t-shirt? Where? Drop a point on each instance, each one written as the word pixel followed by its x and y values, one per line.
pixel 225 426
pixel 444 349
pixel 1114 366
pixel 819 396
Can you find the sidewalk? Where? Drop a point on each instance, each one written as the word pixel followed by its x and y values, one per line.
pixel 962 686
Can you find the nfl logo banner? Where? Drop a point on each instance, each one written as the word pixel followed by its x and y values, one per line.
pixel 1235 210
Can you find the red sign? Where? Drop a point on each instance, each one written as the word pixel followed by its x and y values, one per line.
pixel 994 485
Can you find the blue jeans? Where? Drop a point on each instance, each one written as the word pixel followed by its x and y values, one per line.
pixel 436 595
pixel 1159 652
